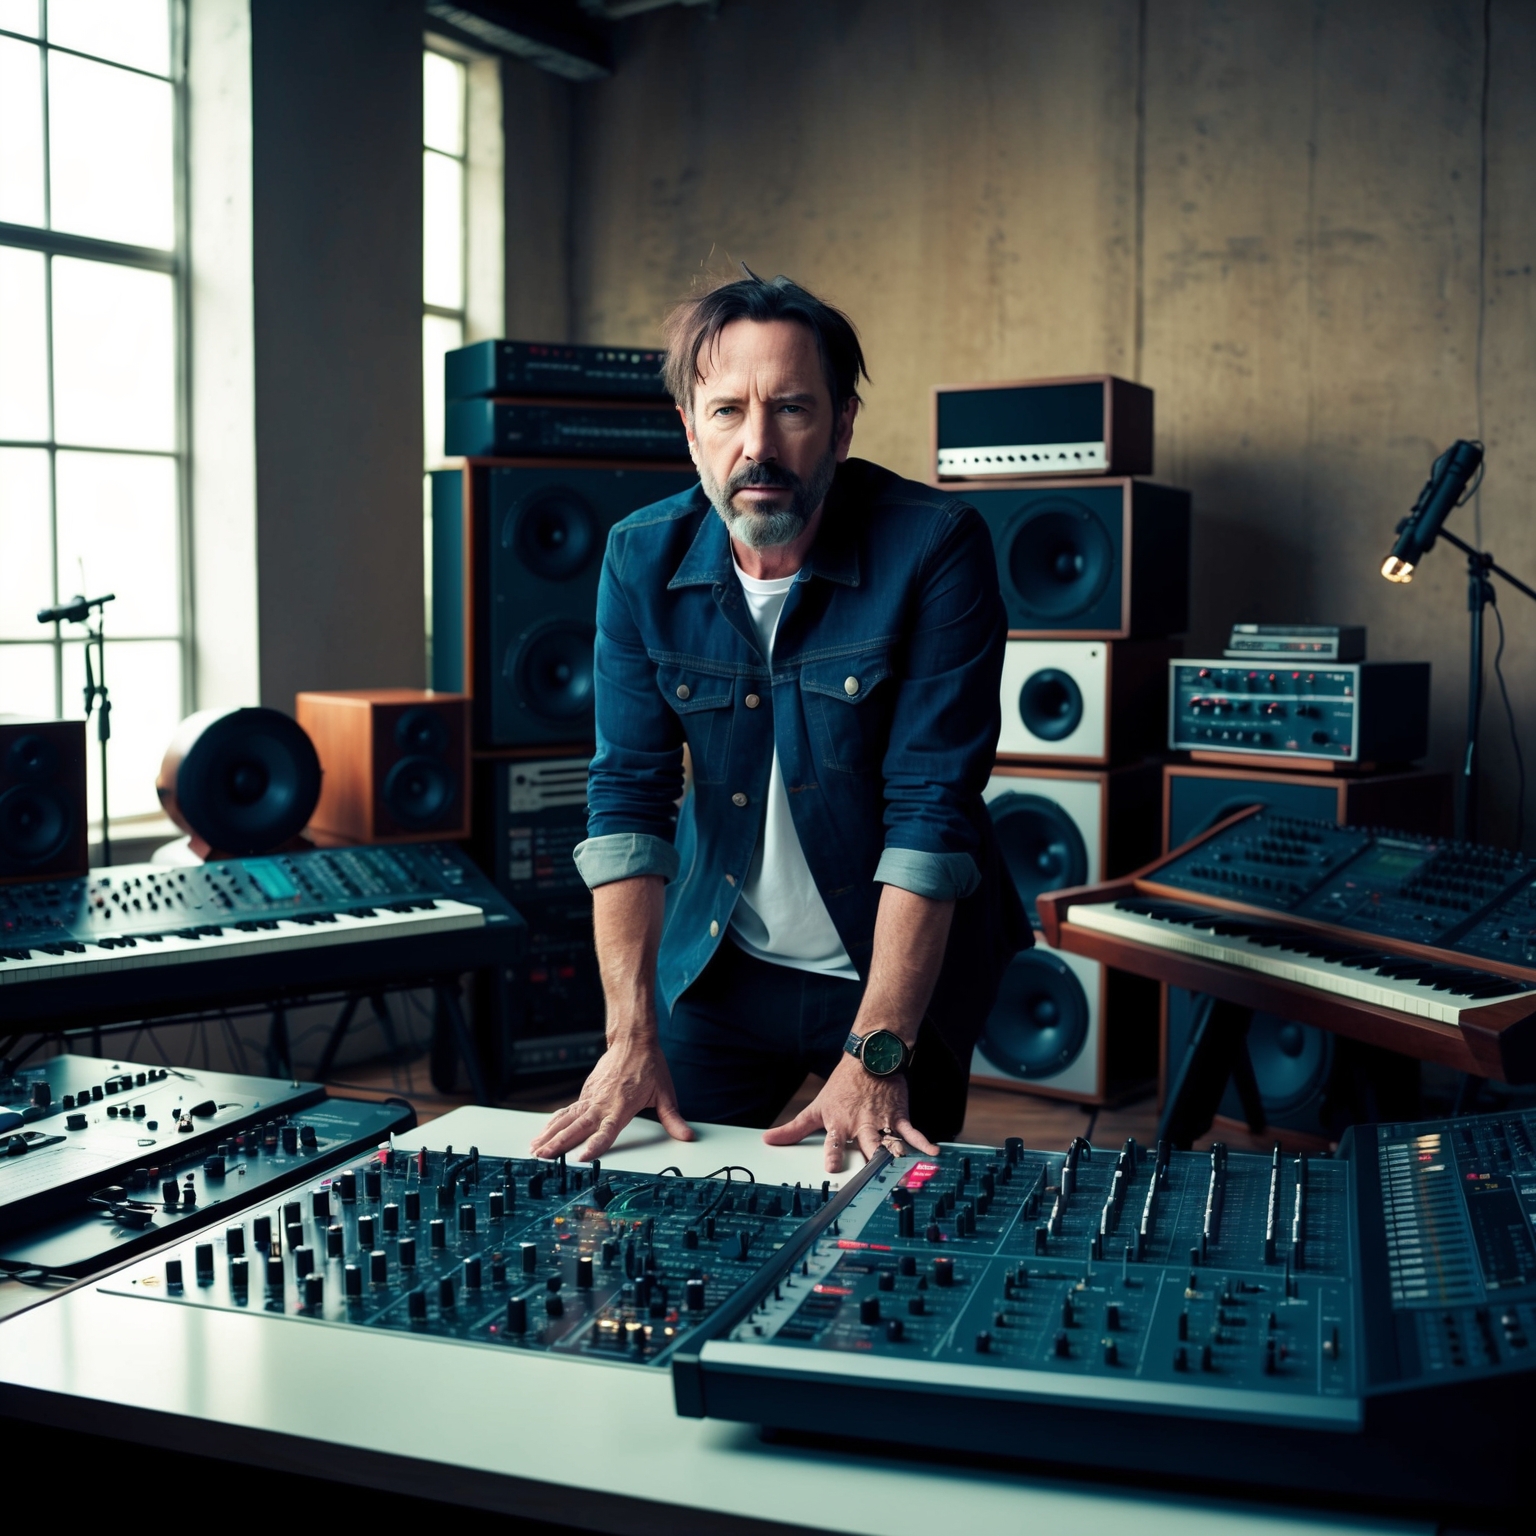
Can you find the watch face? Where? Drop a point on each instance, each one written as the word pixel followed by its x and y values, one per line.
pixel 882 1052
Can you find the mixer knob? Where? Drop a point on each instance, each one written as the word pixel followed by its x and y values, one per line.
pixel 234 1241
pixel 1041 1234
pixel 173 1273
pixel 886 1281
pixel 1111 1352
pixel 366 1236
pixel 517 1315
pixel 307 1136
pixel 933 1233
pixel 917 1306
pixel 584 1271
pixel 743 1244
pixel 1067 1315
pixel 75 1122
pixel 472 1271
pixel 303 1262
pixel 1013 1149
pixel 391 1217
pixel 869 1310
pixel 261 1233
pixel 1207 1359
pixel 274 1271
pixel 693 1294
pixel 42 1095
pixel 536 1186
pixel 943 1271
pixel 906 1265
pixel 378 1267
pixel 416 1306
pixel 983 1343
pixel 610 1253
pixel 290 1138
pixel 1181 1359
pixel 335 1237
pixel 413 1205
pixel 1269 1357
pixel 445 1298
pixel 437 1233
pixel 353 1278
pixel 203 1256
pixel 1112 1318
pixel 407 1252
pixel 530 1253
pixel 170 1192
pixel 1062 1347
pixel 348 1182
pixel 691 1238
pixel 213 1165
pixel 371 1182
pixel 139 1179
pixel 292 1212
pixel 496 1204
pixel 314 1292
pixel 554 1305
pixel 239 1276
pixel 498 1272
pixel 467 1218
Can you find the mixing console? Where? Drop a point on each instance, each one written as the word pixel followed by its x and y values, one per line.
pixel 1316 1323
pixel 510 1254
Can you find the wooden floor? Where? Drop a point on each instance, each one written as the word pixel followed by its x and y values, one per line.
pixel 993 1113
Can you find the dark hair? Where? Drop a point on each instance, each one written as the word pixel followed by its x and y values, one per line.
pixel 695 323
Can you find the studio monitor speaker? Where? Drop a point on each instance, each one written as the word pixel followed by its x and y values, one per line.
pixel 1091 425
pixel 1311 1082
pixel 1087 701
pixel 239 781
pixel 1062 1025
pixel 395 761
pixel 1089 559
pixel 43 833
pixel 517 551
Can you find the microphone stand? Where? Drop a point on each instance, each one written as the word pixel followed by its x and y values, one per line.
pixel 96 692
pixel 1480 593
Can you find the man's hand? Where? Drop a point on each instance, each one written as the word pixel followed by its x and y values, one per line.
pixel 630 1076
pixel 855 1108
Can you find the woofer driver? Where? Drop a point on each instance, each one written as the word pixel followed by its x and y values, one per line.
pixel 1060 560
pixel 550 669
pixel 1039 1024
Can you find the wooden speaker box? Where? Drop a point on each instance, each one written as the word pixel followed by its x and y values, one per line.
pixel 395 764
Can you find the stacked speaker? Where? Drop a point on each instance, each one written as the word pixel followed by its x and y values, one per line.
pixel 517 547
pixel 1094 567
pixel 42 799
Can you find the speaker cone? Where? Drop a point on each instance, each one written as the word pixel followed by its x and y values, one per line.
pixel 1039 1024
pixel 551 669
pixel 1060 560
pixel 1041 844
pixel 244 781
pixel 33 758
pixel 1291 1062
pixel 422 732
pixel 1051 704
pixel 420 791
pixel 554 532
pixel 35 823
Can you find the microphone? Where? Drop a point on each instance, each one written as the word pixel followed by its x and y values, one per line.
pixel 1417 532
pixel 75 611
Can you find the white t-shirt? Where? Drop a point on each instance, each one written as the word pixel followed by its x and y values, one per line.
pixel 780 916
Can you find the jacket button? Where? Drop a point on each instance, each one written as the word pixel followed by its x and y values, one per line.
pixel 738 798
pixel 752 701
pixel 714 929
pixel 683 690
pixel 850 686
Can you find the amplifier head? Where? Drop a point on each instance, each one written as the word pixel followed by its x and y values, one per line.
pixel 42 799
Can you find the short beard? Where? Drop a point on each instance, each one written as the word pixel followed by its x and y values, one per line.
pixel 768 530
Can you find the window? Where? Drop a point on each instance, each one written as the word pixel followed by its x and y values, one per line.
pixel 92 470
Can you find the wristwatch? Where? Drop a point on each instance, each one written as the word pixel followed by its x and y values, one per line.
pixel 881 1052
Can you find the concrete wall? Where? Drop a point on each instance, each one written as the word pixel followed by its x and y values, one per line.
pixel 1308 227
pixel 336 199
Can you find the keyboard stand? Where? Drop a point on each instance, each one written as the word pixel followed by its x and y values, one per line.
pixel 1217 1054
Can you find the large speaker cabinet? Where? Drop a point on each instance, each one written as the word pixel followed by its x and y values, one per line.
pixel 1083 701
pixel 42 799
pixel 1312 1082
pixel 1101 559
pixel 395 763
pixel 516 554
pixel 1064 1026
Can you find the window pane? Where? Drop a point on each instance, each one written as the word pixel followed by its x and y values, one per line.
pixel 443 104
pixel 21 132
pixel 26 543
pixel 26 681
pixel 110 153
pixel 135 32
pixel 114 355
pixel 23 346
pixel 437 337
pixel 117 519
pixel 144 683
pixel 19 16
pixel 443 248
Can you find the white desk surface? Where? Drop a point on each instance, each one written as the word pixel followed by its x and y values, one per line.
pixel 561 1440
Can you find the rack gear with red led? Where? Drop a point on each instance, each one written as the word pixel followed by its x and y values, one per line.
pixel 514 1254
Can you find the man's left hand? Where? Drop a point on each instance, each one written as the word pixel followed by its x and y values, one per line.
pixel 855 1108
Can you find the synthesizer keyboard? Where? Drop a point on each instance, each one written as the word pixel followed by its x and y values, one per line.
pixel 1345 1325
pixel 1425 988
pixel 139 938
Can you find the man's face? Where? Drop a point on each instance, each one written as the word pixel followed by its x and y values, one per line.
pixel 762 430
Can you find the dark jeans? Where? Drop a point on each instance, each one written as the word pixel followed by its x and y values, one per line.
pixel 742 1038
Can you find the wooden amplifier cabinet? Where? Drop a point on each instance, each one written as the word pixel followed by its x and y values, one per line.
pixel 395 761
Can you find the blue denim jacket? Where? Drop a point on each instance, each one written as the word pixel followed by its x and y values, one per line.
pixel 882 698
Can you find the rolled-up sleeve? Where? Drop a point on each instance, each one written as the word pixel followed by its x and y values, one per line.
pixel 946 719
pixel 636 777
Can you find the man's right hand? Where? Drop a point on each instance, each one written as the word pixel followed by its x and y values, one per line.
pixel 630 1076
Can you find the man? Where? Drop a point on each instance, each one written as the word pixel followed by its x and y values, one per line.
pixel 827 640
